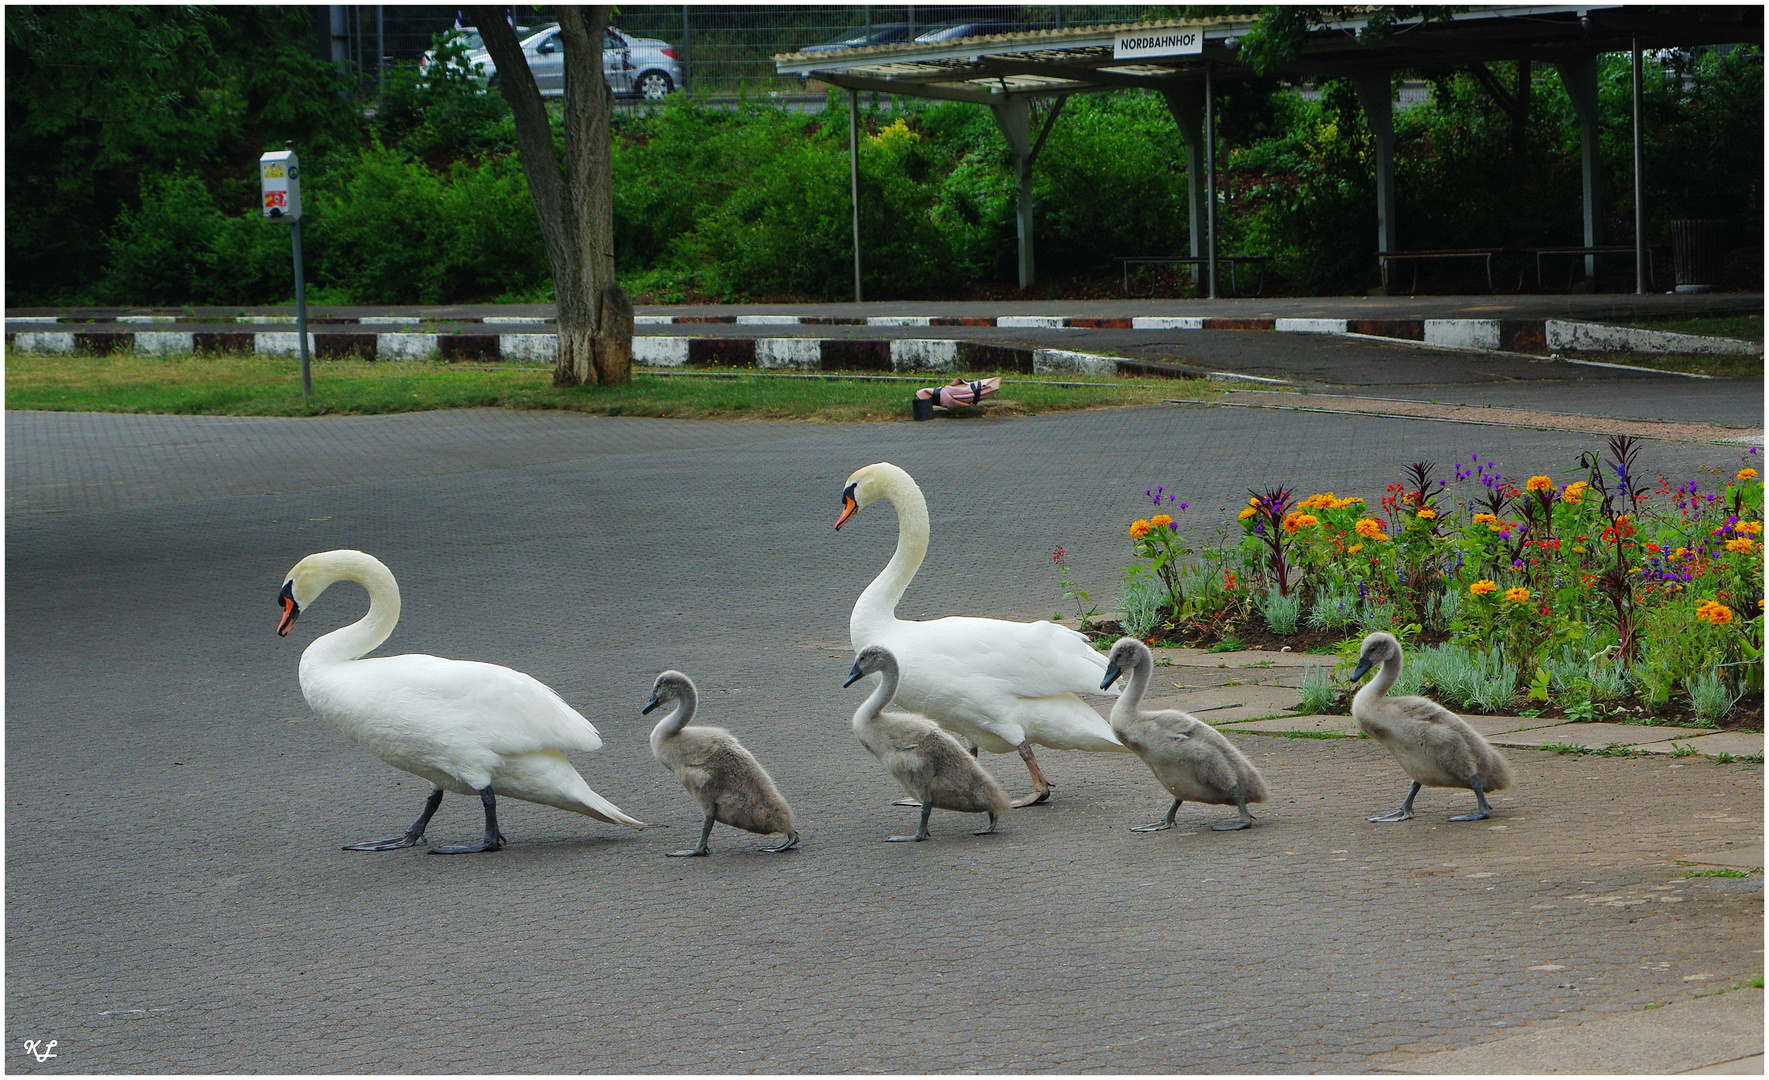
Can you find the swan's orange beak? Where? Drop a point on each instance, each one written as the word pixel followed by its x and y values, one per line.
pixel 291 610
pixel 849 507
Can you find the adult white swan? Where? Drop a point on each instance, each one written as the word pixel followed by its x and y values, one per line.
pixel 466 727
pixel 1003 685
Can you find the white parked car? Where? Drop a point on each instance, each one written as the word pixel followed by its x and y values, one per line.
pixel 635 67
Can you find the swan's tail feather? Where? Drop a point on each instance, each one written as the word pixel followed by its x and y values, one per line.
pixel 548 778
pixel 602 810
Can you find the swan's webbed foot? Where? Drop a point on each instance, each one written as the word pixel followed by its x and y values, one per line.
pixel 1041 786
pixel 993 817
pixel 1160 826
pixel 1405 813
pixel 391 844
pixel 411 836
pixel 493 838
pixel 706 830
pixel 1482 809
pixel 792 841
pixel 1245 821
pixel 907 801
pixel 921 833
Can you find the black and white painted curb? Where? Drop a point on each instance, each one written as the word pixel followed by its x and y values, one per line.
pixel 537 341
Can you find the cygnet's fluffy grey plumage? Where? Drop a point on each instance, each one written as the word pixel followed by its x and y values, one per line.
pixel 1192 760
pixel 1436 747
pixel 725 778
pixel 930 764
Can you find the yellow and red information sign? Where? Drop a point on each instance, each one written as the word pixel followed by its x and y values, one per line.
pixel 279 172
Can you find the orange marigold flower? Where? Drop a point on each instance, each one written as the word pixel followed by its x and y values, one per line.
pixel 1427 513
pixel 1246 512
pixel 1715 612
pixel 1482 587
pixel 1159 520
pixel 1751 527
pixel 1517 595
pixel 1354 549
pixel 1747 474
pixel 1485 519
pixel 1538 483
pixel 1574 493
pixel 1139 529
pixel 1295 521
pixel 1741 545
pixel 1370 528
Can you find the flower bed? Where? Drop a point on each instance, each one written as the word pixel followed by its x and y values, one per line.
pixel 1605 596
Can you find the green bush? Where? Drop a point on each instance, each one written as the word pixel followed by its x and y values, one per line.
pixel 180 248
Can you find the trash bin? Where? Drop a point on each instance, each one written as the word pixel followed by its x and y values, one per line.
pixel 1696 249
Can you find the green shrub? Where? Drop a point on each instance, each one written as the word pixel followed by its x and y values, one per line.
pixel 1282 613
pixel 180 248
pixel 1140 600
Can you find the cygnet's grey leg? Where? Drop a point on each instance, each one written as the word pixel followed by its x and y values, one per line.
pixel 706 830
pixel 1162 825
pixel 411 836
pixel 921 833
pixel 493 838
pixel 1482 810
pixel 1405 812
pixel 992 816
pixel 1041 786
pixel 792 841
pixel 1241 804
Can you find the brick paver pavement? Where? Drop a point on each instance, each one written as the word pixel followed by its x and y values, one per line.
pixel 177 899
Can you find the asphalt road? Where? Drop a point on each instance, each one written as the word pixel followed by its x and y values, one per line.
pixel 177 900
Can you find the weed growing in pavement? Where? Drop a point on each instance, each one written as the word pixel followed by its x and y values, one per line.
pixel 1726 873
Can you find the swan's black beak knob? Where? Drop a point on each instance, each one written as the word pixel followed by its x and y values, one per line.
pixel 850 507
pixel 1112 673
pixel 291 610
pixel 855 675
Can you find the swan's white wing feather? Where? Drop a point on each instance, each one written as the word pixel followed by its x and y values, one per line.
pixel 1036 660
pixel 488 706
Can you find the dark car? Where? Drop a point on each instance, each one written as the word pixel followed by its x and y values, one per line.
pixel 964 30
pixel 860 37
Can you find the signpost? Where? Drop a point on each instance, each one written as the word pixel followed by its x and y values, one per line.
pixel 1137 44
pixel 279 171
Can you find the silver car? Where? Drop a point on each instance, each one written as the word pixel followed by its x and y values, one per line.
pixel 634 67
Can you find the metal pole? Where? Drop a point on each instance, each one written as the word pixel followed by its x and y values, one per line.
pixel 854 181
pixel 301 313
pixel 1639 185
pixel 684 46
pixel 380 47
pixel 1210 175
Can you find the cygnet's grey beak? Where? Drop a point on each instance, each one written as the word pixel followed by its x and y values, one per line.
pixel 1364 664
pixel 649 705
pixel 855 675
pixel 1112 673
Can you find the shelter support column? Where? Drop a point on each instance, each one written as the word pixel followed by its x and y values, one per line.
pixel 854 182
pixel 1580 79
pixel 1187 106
pixel 1015 120
pixel 1375 92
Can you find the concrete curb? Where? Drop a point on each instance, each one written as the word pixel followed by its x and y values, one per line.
pixel 937 355
pixel 1536 337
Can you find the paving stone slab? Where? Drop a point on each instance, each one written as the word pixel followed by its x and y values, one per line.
pixel 1739 855
pixel 1736 743
pixel 1343 724
pixel 1688 1034
pixel 1598 736
pixel 1500 725
pixel 1226 704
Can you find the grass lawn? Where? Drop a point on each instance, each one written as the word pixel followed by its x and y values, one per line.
pixel 1743 327
pixel 245 385
pixel 1732 367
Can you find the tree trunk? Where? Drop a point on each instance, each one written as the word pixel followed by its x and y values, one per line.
pixel 572 192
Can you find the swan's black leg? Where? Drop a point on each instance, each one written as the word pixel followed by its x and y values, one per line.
pixel 921 833
pixel 706 830
pixel 1246 821
pixel 991 829
pixel 1406 808
pixel 1041 786
pixel 493 838
pixel 412 835
pixel 1482 809
pixel 792 841
pixel 1162 825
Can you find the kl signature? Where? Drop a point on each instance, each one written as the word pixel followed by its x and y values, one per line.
pixel 39 1050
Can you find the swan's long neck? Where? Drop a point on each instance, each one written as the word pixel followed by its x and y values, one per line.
pixel 1125 708
pixel 670 726
pixel 363 635
pixel 872 706
pixel 1377 688
pixel 877 606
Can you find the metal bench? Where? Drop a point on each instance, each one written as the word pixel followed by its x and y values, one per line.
pixel 1601 249
pixel 1485 255
pixel 1233 262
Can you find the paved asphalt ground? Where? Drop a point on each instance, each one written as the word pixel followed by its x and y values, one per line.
pixel 177 900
